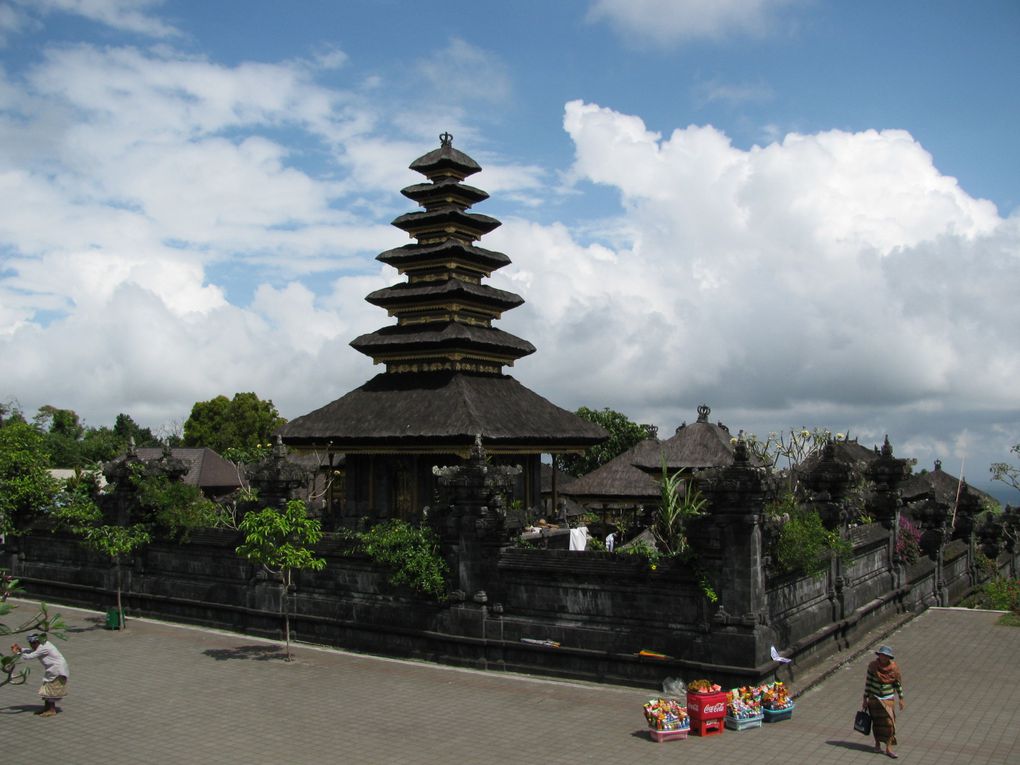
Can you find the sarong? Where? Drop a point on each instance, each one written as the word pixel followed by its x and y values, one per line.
pixel 54 689
pixel 883 720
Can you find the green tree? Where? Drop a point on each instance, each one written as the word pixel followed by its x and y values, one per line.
pixel 100 445
pixel 278 540
pixel 245 422
pixel 26 486
pixel 115 542
pixel 61 422
pixel 103 444
pixel 171 506
pixel 623 434
pixel 63 432
pixel 76 510
pixel 10 412
pixel 127 430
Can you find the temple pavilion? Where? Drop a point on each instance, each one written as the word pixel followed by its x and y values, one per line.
pixel 444 382
pixel 698 446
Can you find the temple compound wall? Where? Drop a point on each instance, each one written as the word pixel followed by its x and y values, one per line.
pixel 597 616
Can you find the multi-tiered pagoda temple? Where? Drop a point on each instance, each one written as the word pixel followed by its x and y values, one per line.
pixel 444 382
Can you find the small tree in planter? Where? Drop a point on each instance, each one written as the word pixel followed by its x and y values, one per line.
pixel 75 509
pixel 278 541
pixel 114 542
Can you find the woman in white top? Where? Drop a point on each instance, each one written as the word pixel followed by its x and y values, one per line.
pixel 55 671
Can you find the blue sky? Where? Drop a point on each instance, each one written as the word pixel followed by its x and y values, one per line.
pixel 799 212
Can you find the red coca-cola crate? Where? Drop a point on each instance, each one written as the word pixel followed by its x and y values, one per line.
pixel 706 706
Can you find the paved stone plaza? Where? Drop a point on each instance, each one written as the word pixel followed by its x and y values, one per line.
pixel 160 693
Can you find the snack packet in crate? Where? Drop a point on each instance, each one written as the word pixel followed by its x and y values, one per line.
pixel 665 714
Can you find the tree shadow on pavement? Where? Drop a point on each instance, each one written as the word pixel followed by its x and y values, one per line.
pixel 18 709
pixel 253 652
pixel 95 623
pixel 856 746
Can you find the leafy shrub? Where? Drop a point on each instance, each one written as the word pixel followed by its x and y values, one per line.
pixel 411 551
pixel 679 505
pixel 173 506
pixel 1003 594
pixel 803 544
pixel 643 549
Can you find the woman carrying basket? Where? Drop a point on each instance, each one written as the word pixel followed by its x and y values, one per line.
pixel 882 689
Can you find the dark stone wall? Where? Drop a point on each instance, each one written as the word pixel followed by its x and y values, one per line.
pixel 602 609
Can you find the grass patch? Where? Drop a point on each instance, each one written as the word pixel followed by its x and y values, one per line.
pixel 1009 620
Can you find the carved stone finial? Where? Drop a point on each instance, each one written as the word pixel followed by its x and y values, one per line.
pixel 938 465
pixel 887 447
pixel 478 451
pixel 703 412
pixel 741 454
pixel 445 139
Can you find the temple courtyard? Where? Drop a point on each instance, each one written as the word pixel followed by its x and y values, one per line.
pixel 163 693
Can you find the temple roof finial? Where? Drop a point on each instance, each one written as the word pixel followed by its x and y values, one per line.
pixel 445 139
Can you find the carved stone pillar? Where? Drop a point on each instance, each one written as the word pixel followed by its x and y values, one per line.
pixel 887 472
pixel 470 519
pixel 828 483
pixel 276 479
pixel 736 498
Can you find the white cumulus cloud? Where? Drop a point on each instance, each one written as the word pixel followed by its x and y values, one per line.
pixel 826 279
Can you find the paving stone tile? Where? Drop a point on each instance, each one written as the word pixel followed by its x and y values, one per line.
pixel 167 694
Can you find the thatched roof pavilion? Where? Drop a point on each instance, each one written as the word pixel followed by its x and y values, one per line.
pixel 618 483
pixel 697 446
pixel 940 486
pixel 444 383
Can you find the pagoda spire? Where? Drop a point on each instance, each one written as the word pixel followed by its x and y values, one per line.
pixel 444 312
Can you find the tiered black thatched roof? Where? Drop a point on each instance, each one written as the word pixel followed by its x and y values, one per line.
pixel 444 312
pixel 442 411
pixel 444 383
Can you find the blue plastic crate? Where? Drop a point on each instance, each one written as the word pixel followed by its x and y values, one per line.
pixel 778 715
pixel 743 723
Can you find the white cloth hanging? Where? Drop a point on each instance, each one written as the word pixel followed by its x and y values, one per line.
pixel 579 538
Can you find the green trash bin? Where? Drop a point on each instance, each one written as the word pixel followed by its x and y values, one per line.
pixel 113 621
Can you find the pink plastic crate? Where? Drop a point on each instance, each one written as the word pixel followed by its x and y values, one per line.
pixel 667 735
